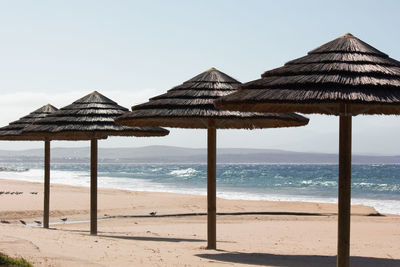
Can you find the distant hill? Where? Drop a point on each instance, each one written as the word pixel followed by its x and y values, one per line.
pixel 170 154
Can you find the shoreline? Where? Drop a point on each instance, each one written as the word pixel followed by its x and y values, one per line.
pixel 389 205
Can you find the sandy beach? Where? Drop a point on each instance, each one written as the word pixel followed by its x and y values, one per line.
pixel 250 233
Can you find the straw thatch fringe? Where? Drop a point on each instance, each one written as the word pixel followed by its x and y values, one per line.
pixel 178 103
pixel 192 94
pixel 190 105
pixel 354 58
pixel 320 80
pixel 201 118
pixel 202 85
pixel 90 117
pixel 336 68
pixel 92 111
pixel 345 70
pixel 326 102
pixel 13 131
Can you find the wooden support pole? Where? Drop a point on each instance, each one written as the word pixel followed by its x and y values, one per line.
pixel 46 206
pixel 93 187
pixel 343 257
pixel 211 188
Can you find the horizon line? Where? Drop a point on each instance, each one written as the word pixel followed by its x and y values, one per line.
pixel 205 148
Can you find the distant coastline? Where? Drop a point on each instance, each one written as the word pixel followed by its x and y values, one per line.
pixel 182 155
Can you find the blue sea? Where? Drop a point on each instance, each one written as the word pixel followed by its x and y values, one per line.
pixel 372 185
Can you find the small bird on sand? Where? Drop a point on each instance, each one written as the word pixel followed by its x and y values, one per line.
pixel 64 219
pixel 4 221
pixel 34 193
pixel 38 222
pixel 23 222
pixel 153 213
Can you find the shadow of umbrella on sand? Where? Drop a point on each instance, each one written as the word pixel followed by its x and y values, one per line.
pixel 89 118
pixel 13 132
pixel 190 105
pixel 345 77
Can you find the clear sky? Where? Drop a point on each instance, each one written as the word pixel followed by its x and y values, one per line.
pixel 58 51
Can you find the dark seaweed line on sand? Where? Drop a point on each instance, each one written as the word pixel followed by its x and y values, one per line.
pixel 236 213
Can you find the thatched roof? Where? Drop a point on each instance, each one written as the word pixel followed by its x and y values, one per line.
pixel 343 71
pixel 190 105
pixel 91 117
pixel 13 131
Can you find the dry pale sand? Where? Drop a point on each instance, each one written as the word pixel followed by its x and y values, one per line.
pixel 278 234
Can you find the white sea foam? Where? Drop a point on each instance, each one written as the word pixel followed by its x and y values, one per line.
pixel 183 172
pixel 381 187
pixel 323 183
pixel 58 177
pixel 380 205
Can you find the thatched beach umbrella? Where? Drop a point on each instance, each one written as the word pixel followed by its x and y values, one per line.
pixel 345 77
pixel 190 105
pixel 13 132
pixel 89 118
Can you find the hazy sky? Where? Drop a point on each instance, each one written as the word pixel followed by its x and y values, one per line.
pixel 58 51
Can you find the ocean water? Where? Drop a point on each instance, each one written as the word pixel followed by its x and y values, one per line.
pixel 372 185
